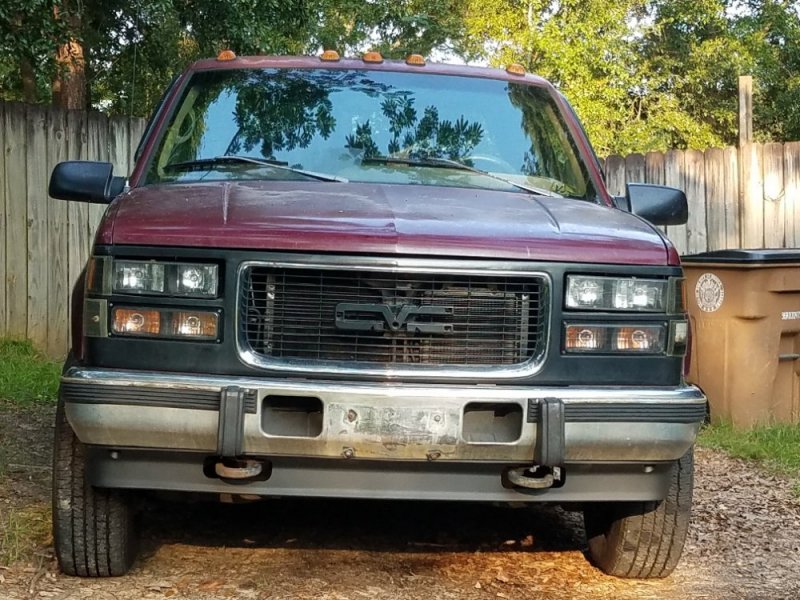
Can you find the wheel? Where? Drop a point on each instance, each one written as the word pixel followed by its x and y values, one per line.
pixel 643 539
pixel 93 529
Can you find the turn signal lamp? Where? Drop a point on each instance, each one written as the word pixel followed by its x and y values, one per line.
pixel 226 55
pixel 612 339
pixel 415 60
pixel 515 69
pixel 372 57
pixel 134 321
pixel 165 323
pixel 329 56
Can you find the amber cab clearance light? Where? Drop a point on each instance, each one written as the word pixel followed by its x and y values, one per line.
pixel 330 56
pixel 226 55
pixel 515 69
pixel 416 60
pixel 372 57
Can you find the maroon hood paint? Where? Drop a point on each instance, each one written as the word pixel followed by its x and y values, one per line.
pixel 356 218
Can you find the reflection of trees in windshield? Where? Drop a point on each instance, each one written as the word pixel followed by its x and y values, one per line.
pixel 280 111
pixel 273 111
pixel 547 156
pixel 425 137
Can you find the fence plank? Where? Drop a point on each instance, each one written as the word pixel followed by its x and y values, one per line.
pixel 36 153
pixel 791 185
pixel 674 177
pixel 715 198
pixel 16 249
pixel 654 168
pixel 97 133
pixel 774 205
pixel 118 145
pixel 732 207
pixel 751 195
pixel 635 171
pixel 135 133
pixel 615 175
pixel 77 212
pixel 3 230
pixel 58 273
pixel 697 238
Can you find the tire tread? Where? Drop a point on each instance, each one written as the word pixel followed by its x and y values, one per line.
pixel 93 529
pixel 643 539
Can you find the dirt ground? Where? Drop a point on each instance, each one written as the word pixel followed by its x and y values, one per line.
pixel 744 543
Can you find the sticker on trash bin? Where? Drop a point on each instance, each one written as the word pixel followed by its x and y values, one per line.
pixel 709 292
pixel 791 315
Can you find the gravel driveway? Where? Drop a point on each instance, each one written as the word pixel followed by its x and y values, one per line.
pixel 744 543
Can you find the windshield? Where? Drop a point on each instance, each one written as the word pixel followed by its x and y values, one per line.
pixel 369 126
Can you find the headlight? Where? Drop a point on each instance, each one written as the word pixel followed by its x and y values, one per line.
pixel 138 277
pixel 195 280
pixel 165 279
pixel 616 293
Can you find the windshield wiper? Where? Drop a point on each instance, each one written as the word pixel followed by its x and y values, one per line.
pixel 446 163
pixel 263 162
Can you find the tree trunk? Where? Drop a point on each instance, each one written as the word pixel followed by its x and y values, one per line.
pixel 69 86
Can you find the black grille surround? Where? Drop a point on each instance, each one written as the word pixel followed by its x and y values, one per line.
pixel 383 319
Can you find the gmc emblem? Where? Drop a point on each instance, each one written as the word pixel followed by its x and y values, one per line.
pixel 391 317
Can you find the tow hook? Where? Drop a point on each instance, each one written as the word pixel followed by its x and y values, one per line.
pixel 536 477
pixel 242 469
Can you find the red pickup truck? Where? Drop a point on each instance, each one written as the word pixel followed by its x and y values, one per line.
pixel 374 279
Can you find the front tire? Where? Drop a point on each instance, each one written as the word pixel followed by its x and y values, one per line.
pixel 643 539
pixel 93 529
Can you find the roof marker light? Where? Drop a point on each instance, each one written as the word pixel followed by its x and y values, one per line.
pixel 329 56
pixel 372 57
pixel 515 69
pixel 416 60
pixel 226 55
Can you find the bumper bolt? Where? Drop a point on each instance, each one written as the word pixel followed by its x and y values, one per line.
pixel 433 454
pixel 348 453
pixel 352 415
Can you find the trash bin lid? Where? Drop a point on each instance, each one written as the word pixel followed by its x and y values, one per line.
pixel 741 255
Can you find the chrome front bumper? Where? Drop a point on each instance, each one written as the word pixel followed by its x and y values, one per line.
pixel 375 421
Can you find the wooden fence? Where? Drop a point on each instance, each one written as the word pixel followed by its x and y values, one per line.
pixel 748 198
pixel 738 198
pixel 44 243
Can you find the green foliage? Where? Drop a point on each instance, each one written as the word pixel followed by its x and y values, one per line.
pixel 29 33
pixel 26 377
pixel 653 74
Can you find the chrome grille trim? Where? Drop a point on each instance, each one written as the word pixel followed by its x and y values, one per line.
pixel 397 265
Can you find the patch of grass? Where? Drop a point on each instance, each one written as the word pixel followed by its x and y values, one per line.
pixel 26 376
pixel 775 446
pixel 23 531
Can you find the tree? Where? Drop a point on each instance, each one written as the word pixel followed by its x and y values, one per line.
pixel 29 35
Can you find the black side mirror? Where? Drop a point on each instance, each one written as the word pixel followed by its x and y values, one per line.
pixel 655 203
pixel 85 181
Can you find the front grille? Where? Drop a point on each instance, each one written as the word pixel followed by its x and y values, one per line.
pixel 391 318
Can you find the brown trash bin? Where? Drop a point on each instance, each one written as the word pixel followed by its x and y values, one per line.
pixel 744 310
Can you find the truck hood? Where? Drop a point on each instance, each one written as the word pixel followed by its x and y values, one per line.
pixel 358 218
